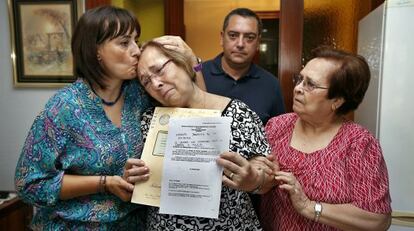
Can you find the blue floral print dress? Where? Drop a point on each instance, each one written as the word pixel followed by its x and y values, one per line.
pixel 73 135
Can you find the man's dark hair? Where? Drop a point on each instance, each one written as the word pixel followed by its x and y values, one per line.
pixel 244 12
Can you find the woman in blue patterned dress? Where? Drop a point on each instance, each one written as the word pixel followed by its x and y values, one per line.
pixel 72 162
pixel 168 77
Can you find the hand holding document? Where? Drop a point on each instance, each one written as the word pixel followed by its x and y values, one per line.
pixel 149 192
pixel 191 181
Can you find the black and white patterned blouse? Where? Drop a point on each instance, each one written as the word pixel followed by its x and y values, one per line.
pixel 236 209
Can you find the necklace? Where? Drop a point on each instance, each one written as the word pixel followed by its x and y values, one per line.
pixel 109 103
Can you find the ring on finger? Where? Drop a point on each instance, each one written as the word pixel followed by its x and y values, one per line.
pixel 231 176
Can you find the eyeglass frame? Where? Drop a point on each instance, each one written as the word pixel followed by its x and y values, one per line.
pixel 158 73
pixel 298 78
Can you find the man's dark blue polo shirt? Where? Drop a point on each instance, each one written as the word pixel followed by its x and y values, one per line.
pixel 259 89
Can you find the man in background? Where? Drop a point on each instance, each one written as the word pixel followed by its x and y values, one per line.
pixel 233 74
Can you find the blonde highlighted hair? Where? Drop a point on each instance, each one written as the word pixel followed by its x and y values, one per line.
pixel 177 57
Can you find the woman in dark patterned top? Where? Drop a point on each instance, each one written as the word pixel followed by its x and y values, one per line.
pixel 167 77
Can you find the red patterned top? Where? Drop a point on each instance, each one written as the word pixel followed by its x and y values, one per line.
pixel 351 169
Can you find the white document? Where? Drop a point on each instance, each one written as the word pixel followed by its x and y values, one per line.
pixel 149 192
pixel 191 180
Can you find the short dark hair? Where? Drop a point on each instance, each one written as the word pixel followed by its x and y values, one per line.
pixel 94 28
pixel 349 81
pixel 244 12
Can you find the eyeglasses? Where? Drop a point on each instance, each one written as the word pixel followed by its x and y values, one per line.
pixel 307 85
pixel 158 71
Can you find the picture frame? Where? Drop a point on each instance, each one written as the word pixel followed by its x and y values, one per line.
pixel 41 32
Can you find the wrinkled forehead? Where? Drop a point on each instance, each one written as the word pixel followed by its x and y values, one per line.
pixel 242 24
pixel 150 57
pixel 320 69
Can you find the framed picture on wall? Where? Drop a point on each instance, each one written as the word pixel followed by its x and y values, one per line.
pixel 41 32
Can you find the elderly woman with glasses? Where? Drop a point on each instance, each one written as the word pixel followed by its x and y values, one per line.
pixel 168 77
pixel 332 173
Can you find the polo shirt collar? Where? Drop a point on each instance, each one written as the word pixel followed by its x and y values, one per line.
pixel 218 70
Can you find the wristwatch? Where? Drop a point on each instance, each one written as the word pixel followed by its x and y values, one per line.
pixel 318 211
pixel 199 66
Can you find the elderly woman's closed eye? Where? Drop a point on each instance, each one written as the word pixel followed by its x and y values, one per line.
pixel 153 72
pixel 168 77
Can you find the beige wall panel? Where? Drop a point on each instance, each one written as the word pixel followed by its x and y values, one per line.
pixel 150 14
pixel 259 5
pixel 203 21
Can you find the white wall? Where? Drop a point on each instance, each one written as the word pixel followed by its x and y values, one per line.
pixel 18 107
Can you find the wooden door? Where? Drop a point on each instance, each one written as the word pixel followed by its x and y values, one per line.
pixel 89 4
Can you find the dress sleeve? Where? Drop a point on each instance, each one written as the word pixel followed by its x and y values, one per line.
pixel 146 122
pixel 38 178
pixel 369 176
pixel 247 130
pixel 271 129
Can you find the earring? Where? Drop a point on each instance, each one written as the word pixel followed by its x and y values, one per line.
pixel 99 58
pixel 333 107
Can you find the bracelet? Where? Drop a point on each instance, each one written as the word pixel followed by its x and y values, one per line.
pixel 102 184
pixel 199 66
pixel 257 189
pixel 318 211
